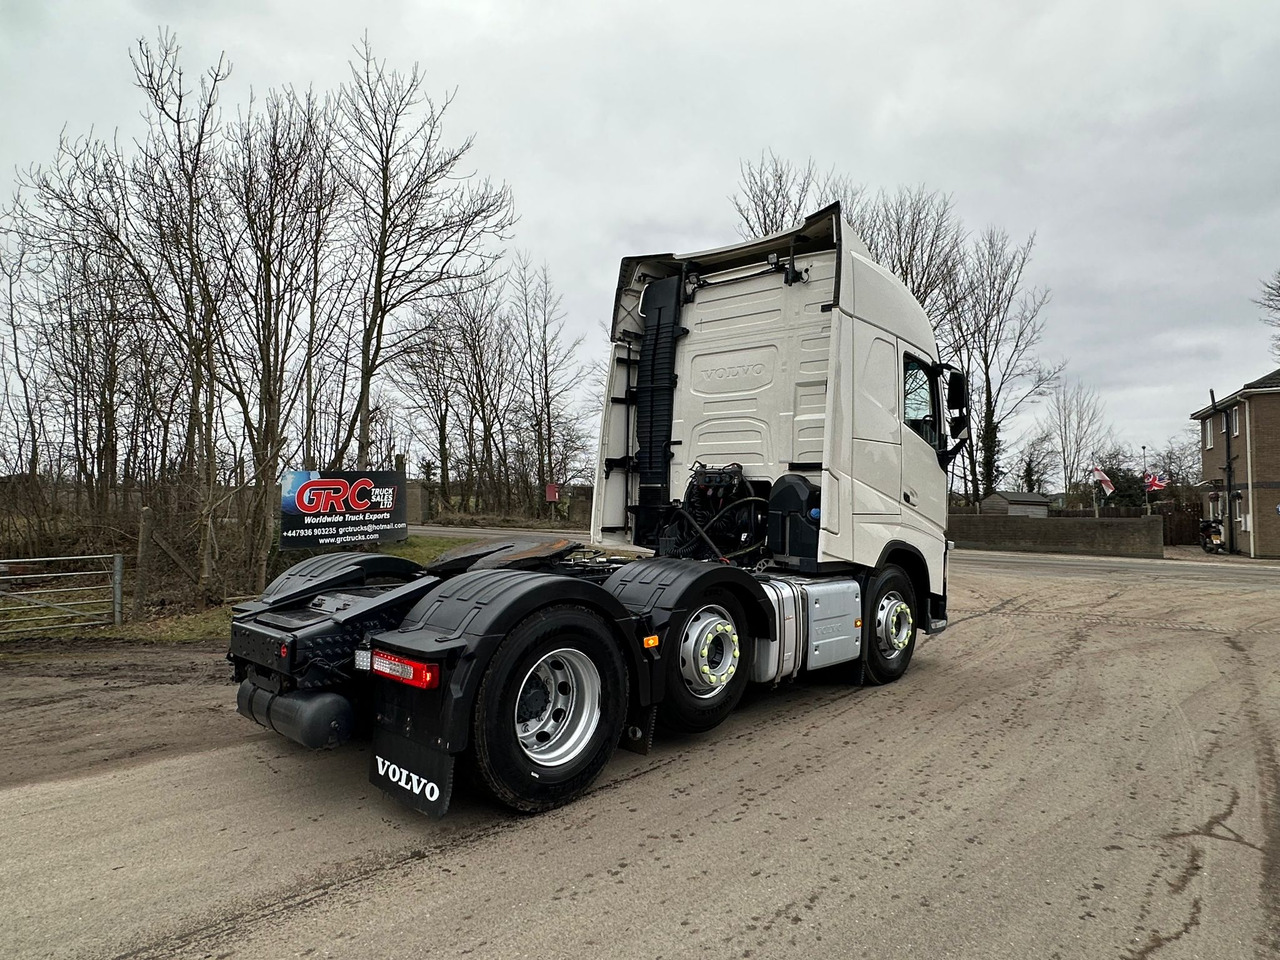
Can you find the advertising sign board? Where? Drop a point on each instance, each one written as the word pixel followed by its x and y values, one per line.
pixel 326 508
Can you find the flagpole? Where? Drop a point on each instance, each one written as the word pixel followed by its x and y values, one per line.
pixel 1146 487
pixel 1093 485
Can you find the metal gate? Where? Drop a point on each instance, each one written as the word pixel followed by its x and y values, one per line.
pixel 53 593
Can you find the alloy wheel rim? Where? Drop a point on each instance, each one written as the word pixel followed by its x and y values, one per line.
pixel 709 652
pixel 894 624
pixel 558 707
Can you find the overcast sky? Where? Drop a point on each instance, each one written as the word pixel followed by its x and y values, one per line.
pixel 1139 140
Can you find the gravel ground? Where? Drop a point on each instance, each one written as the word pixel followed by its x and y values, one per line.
pixel 1083 766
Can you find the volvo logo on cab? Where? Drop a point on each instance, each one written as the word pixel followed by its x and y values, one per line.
pixel 733 372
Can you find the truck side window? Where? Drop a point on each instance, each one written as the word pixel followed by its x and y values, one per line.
pixel 918 401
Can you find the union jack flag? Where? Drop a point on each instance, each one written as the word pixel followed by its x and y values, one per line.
pixel 1154 481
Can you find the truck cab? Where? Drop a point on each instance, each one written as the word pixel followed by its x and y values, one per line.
pixel 803 363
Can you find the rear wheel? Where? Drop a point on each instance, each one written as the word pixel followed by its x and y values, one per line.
pixel 708 655
pixel 550 709
pixel 889 628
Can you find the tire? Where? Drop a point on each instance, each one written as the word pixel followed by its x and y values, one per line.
pixel 550 709
pixel 889 627
pixel 705 678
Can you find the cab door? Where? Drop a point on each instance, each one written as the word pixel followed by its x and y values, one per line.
pixel 924 481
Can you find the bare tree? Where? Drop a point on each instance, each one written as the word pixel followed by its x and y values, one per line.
pixel 549 369
pixel 275 198
pixel 427 375
pixel 1179 458
pixel 418 220
pixel 24 428
pixel 1034 461
pixel 86 317
pixel 486 365
pixel 775 194
pixel 997 331
pixel 1269 301
pixel 1076 420
pixel 173 185
pixel 914 232
pixel 149 215
pixel 329 293
pixel 19 350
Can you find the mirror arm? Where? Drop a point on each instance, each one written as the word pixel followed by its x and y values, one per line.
pixel 947 457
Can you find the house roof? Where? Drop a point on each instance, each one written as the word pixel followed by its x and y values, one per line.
pixel 1272 379
pixel 1266 384
pixel 1017 496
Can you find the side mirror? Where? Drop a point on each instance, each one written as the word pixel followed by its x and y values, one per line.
pixel 960 428
pixel 957 392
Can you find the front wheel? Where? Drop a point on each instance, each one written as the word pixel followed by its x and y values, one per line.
pixel 889 628
pixel 550 709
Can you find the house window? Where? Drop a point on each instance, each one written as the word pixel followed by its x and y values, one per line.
pixel 1207 423
pixel 1224 424
pixel 1235 421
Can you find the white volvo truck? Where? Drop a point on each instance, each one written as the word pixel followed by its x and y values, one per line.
pixel 776 430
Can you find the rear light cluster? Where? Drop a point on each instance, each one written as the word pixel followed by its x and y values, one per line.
pixel 425 676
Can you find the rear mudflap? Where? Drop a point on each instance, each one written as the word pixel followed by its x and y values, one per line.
pixel 412 772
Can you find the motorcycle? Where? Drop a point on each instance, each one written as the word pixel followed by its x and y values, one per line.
pixel 1211 540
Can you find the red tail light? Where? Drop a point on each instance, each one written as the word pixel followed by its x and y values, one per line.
pixel 426 676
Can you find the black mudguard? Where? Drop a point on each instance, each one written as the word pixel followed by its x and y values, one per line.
pixel 660 590
pixel 462 621
pixel 460 625
pixel 305 627
pixel 326 572
pixel 412 772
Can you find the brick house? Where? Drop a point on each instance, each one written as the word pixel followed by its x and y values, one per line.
pixel 1248 421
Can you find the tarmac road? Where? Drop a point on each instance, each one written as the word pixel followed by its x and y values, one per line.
pixel 1221 570
pixel 1083 766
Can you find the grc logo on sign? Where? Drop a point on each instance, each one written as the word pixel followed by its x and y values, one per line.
pixel 333 495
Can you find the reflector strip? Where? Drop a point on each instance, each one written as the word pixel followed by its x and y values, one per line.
pixel 425 676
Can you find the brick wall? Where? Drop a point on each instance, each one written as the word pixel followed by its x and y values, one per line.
pixel 1108 536
pixel 1214 459
pixel 1264 438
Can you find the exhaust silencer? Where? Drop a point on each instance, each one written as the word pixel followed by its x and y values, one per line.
pixel 313 718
